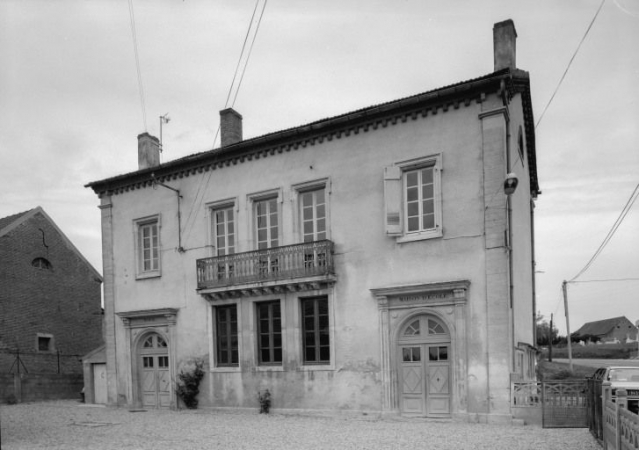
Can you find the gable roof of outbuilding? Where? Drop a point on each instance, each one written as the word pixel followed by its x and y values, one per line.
pixel 10 223
pixel 601 327
pixel 507 81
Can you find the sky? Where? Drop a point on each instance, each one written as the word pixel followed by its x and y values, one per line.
pixel 71 108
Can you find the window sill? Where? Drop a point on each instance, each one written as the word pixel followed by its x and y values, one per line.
pixel 225 369
pixel 316 367
pixel 146 275
pixel 269 369
pixel 424 235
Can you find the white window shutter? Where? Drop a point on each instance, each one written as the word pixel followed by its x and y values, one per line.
pixel 393 200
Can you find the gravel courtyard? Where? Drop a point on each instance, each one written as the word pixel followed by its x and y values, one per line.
pixel 72 425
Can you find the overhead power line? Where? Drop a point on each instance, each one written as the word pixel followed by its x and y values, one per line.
pixel 199 194
pixel 137 62
pixel 611 233
pixel 570 63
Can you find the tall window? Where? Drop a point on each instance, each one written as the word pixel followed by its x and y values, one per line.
pixel 266 223
pixel 223 227
pixel 226 335
pixel 419 192
pixel 412 196
pixel 316 344
pixel 269 330
pixel 313 214
pixel 148 247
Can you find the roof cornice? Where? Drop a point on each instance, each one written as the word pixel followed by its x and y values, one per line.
pixel 363 120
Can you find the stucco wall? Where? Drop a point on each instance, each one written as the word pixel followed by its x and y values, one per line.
pixel 365 258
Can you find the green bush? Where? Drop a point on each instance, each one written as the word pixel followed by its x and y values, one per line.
pixel 188 385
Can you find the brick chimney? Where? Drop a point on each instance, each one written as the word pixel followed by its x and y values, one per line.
pixel 230 126
pixel 504 46
pixel 148 151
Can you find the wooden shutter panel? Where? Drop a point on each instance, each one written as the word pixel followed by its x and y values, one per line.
pixel 393 200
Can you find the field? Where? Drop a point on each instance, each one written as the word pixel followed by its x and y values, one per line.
pixel 560 371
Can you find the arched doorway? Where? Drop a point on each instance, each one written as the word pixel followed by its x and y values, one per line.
pixel 424 367
pixel 155 378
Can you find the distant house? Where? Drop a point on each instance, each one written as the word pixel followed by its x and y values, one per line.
pixel 619 328
pixel 50 311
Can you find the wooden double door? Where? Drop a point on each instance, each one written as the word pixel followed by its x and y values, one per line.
pixel 425 369
pixel 155 378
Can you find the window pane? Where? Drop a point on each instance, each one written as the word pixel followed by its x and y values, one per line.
pixel 413 209
pixel 427 175
pixel 406 354
pixel 412 194
pixel 428 207
pixel 310 353
pixel 427 191
pixel 429 221
pixel 443 353
pixel 432 354
pixel 321 211
pixel 413 223
pixel 411 179
pixel 417 354
pixel 325 353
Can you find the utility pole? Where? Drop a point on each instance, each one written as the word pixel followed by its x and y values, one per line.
pixel 564 288
pixel 550 341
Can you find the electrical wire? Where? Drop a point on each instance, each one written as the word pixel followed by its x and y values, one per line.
pixel 570 63
pixel 199 195
pixel 611 233
pixel 137 63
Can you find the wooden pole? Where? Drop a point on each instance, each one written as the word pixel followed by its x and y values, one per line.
pixel 564 288
pixel 550 341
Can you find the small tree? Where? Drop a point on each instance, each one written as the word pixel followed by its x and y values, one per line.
pixel 188 385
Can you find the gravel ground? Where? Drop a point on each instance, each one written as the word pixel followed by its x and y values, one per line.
pixel 72 425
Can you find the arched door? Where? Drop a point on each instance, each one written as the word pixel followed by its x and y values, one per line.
pixel 155 379
pixel 424 367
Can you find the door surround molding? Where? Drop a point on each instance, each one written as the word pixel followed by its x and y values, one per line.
pixel 397 305
pixel 138 325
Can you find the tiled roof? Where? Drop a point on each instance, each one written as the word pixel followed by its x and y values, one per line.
pixel 6 221
pixel 600 327
pixel 516 81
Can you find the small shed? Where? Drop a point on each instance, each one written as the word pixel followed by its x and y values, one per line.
pixel 95 380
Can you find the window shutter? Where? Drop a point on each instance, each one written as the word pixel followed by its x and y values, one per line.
pixel 393 200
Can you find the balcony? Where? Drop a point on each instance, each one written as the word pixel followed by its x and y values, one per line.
pixel 291 267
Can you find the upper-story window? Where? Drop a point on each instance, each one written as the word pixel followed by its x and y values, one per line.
pixel 313 214
pixel 413 199
pixel 266 223
pixel 223 237
pixel 148 247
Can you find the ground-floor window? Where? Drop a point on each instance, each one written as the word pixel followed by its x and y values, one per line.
pixel 226 334
pixel 269 329
pixel 316 335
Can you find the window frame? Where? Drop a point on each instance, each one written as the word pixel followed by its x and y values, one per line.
pixel 251 204
pixel 229 334
pixel 298 190
pixel 139 224
pixel 258 333
pixel 404 168
pixel 316 332
pixel 51 342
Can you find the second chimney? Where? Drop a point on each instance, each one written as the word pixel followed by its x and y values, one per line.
pixel 504 45
pixel 148 151
pixel 230 126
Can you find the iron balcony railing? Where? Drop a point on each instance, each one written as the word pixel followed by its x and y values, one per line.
pixel 271 264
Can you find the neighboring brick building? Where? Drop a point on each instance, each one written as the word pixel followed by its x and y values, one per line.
pixel 372 261
pixel 50 308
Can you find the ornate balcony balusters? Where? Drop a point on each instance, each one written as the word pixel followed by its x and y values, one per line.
pixel 278 263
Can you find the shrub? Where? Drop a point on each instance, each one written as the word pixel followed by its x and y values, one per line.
pixel 265 401
pixel 11 399
pixel 189 382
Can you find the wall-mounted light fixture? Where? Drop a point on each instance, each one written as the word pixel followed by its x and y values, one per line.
pixel 510 184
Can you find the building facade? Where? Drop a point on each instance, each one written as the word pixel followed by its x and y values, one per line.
pixel 366 262
pixel 50 298
pixel 608 330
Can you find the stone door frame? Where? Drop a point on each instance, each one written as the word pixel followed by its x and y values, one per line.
pixel 399 304
pixel 138 325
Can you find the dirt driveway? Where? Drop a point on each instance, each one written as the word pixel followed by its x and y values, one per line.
pixel 70 425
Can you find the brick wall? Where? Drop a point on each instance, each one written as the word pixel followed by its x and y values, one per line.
pixel 63 303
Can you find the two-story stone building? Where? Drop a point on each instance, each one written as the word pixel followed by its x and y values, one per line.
pixel 370 261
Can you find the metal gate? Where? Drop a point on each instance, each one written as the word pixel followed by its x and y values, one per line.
pixel 565 404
